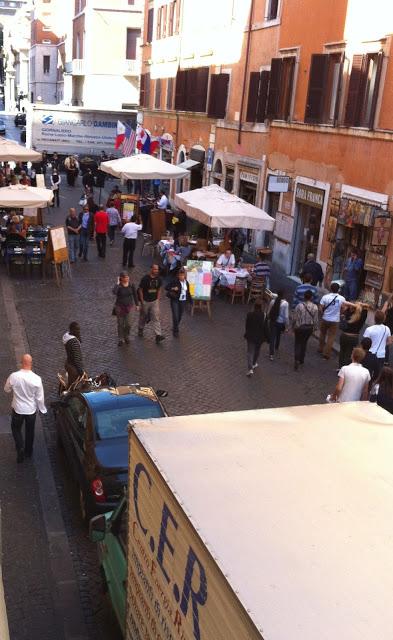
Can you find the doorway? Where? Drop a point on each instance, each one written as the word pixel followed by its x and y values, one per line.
pixel 308 226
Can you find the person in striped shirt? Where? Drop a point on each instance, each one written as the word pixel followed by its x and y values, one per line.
pixel 262 269
pixel 298 296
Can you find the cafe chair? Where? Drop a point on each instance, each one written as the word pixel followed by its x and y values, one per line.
pixel 237 291
pixel 16 259
pixel 257 288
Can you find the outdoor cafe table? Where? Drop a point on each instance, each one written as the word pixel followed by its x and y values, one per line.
pixel 227 277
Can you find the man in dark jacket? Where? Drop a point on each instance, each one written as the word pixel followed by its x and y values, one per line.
pixel 312 267
pixel 256 333
pixel 72 344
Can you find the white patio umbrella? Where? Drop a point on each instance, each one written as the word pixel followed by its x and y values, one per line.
pixel 142 167
pixel 215 207
pixel 19 195
pixel 10 150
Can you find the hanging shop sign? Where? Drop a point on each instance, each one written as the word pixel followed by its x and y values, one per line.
pixel 247 175
pixel 283 229
pixel 309 195
pixel 278 184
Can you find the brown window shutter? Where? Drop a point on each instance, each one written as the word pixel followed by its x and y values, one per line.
pixel 180 91
pixel 150 23
pixel 191 89
pixel 274 88
pixel 147 90
pixel 316 87
pixel 157 97
pixel 218 97
pixel 356 81
pixel 202 83
pixel 371 122
pixel 253 89
pixel 169 94
pixel 262 96
pixel 178 16
pixel 142 91
pixel 339 91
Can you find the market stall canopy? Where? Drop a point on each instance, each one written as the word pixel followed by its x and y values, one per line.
pixel 142 167
pixel 215 207
pixel 10 150
pixel 19 195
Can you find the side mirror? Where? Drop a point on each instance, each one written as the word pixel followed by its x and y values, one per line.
pixel 97 528
pixel 161 393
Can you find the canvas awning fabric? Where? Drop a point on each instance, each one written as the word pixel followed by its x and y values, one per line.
pixel 10 150
pixel 143 167
pixel 215 207
pixel 19 195
pixel 189 164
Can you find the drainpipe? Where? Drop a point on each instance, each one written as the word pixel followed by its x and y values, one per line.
pixel 239 132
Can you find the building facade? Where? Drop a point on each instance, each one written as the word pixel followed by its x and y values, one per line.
pixel 45 39
pixel 291 102
pixel 14 52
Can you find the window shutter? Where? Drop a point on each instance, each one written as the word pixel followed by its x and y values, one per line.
pixel 180 91
pixel 147 90
pixel 356 81
pixel 169 94
pixel 157 99
pixel 371 122
pixel 178 16
pixel 202 83
pixel 191 89
pixel 150 23
pixel 316 87
pixel 262 96
pixel 274 88
pixel 253 89
pixel 142 96
pixel 219 84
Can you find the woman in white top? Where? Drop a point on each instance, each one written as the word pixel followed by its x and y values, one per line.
pixel 278 321
pixel 380 336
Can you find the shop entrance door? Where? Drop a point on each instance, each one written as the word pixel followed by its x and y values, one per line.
pixel 308 226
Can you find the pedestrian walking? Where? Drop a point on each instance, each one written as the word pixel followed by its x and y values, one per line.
pixel 114 221
pixel 351 324
pixel 72 169
pixel 305 323
pixel 313 267
pixel 369 361
pixel 73 228
pixel 380 338
pixel 126 299
pixel 331 305
pixel 382 393
pixel 149 293
pixel 88 181
pixel 352 272
pixel 256 334
pixel 101 223
pixel 72 343
pixel 388 311
pixel 301 289
pixel 278 314
pixel 353 380
pixel 130 234
pixel 28 398
pixel 55 181
pixel 86 224
pixel 178 292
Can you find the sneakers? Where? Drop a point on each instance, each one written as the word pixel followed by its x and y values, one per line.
pixel 159 339
pixel 250 373
pixel 254 366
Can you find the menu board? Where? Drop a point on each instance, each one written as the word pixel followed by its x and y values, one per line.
pixel 57 249
pixel 200 278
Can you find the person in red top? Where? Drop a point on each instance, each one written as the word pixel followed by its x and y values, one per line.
pixel 101 222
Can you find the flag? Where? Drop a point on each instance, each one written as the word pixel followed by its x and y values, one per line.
pixel 120 134
pixel 154 144
pixel 143 140
pixel 129 141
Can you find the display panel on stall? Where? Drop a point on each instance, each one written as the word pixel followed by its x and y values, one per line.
pixel 129 206
pixel 57 245
pixel 200 278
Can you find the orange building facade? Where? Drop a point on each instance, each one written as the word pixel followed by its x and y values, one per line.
pixel 288 104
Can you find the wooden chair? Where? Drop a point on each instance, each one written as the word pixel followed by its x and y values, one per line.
pixel 257 288
pixel 237 291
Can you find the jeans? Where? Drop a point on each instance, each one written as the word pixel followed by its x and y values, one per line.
pixel 177 308
pixel 152 310
pixel 276 329
pixel 84 242
pixel 301 338
pixel 73 242
pixel 56 198
pixel 351 287
pixel 17 421
pixel 111 232
pixel 253 350
pixel 128 251
pixel 101 244
pixel 347 343
pixel 327 333
pixel 123 326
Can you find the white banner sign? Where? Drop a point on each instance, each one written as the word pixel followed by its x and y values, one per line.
pixel 283 229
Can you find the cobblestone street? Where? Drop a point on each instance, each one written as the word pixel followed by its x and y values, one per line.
pixel 203 371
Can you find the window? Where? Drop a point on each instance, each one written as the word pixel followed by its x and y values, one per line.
pixel 280 88
pixel 257 96
pixel 132 37
pixel 171 19
pixel 144 97
pixel 163 20
pixel 169 94
pixel 178 15
pixel 324 88
pixel 159 23
pixel 131 1
pixel 157 97
pixel 46 64
pixel 191 89
pixel 218 95
pixel 150 24
pixel 363 90
pixel 272 9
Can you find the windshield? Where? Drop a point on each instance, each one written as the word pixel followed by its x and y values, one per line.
pixel 113 423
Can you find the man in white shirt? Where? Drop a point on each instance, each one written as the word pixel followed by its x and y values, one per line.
pixel 28 397
pixel 380 336
pixel 130 233
pixel 226 259
pixel 353 380
pixel 330 305
pixel 163 201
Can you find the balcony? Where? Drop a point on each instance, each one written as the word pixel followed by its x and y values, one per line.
pixel 78 67
pixel 132 67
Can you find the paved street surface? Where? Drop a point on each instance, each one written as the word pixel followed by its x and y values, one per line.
pixel 203 371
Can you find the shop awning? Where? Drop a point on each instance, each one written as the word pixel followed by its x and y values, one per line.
pixel 142 167
pixel 215 207
pixel 19 195
pixel 189 164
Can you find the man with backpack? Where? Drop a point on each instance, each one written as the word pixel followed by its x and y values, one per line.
pixel 330 306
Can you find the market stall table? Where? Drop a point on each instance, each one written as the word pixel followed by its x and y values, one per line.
pixel 227 277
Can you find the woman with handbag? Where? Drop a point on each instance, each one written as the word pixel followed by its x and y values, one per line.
pixel 178 292
pixel 305 322
pixel 126 299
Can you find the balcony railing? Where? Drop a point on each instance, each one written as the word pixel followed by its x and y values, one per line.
pixel 78 67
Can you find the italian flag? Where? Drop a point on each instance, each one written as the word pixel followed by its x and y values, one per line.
pixel 120 134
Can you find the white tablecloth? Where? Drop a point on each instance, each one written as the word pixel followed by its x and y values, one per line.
pixel 227 278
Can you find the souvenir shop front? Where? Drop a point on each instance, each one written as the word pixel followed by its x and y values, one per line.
pixel 364 225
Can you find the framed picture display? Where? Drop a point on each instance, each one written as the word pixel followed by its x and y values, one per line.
pixel 375 262
pixel 381 231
